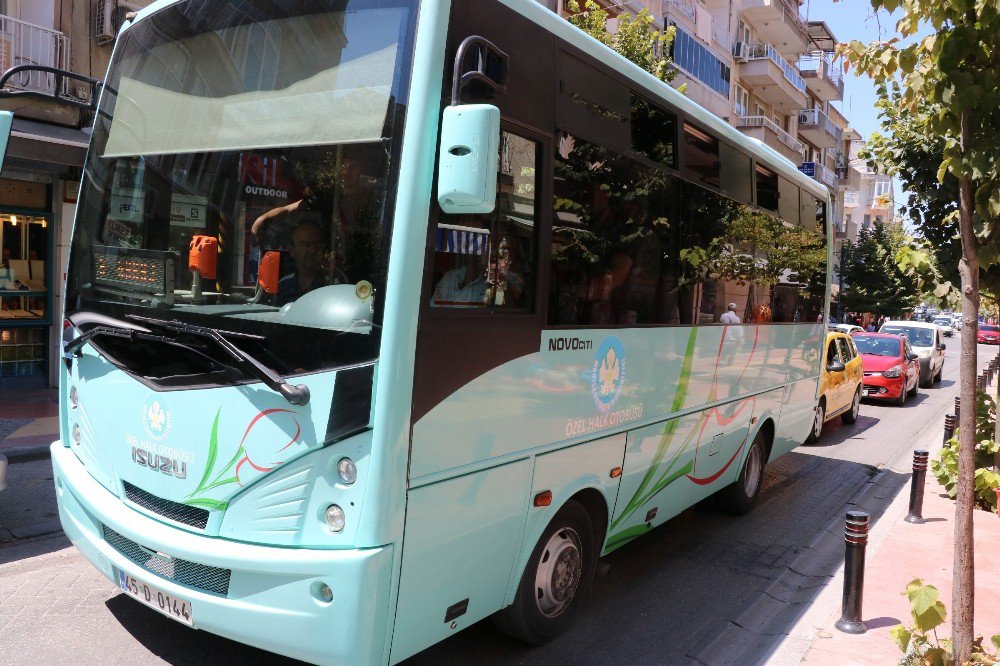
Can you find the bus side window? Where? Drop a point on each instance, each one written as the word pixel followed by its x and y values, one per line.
pixel 486 262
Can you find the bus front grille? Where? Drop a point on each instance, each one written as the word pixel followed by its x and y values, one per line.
pixel 192 574
pixel 181 513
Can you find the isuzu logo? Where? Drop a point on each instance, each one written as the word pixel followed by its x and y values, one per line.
pixel 163 464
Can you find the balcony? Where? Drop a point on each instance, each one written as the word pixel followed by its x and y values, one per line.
pixel 823 77
pixel 819 172
pixel 27 44
pixel 772 77
pixel 721 37
pixel 682 7
pixel 850 177
pixel 852 198
pixel 817 128
pixel 765 130
pixel 778 22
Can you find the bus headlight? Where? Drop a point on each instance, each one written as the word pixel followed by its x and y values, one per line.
pixel 76 433
pixel 74 397
pixel 335 518
pixel 347 471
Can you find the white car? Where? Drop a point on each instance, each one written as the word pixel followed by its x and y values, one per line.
pixel 846 328
pixel 956 322
pixel 3 472
pixel 944 323
pixel 925 340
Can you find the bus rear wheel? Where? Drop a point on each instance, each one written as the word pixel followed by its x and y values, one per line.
pixel 741 495
pixel 555 581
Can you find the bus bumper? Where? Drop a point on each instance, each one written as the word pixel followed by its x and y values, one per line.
pixel 274 598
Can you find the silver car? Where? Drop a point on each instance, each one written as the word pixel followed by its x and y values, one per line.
pixel 3 472
pixel 944 323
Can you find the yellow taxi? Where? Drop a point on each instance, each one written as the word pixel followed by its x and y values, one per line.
pixel 840 383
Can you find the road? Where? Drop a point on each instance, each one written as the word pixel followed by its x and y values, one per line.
pixel 700 589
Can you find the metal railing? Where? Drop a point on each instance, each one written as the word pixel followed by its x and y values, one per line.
pixel 685 7
pixel 721 36
pixel 28 44
pixel 815 118
pixel 818 64
pixel 794 19
pixel 761 121
pixel 764 51
pixel 825 175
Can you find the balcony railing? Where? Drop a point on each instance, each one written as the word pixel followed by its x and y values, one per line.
pixel 814 118
pixel 685 7
pixel 852 199
pixel 721 36
pixel 820 65
pixel 819 172
pixel 764 51
pixel 783 136
pixel 27 44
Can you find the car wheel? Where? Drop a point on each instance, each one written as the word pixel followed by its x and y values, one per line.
pixel 818 419
pixel 913 391
pixel 555 581
pixel 940 372
pixel 852 415
pixel 903 394
pixel 741 495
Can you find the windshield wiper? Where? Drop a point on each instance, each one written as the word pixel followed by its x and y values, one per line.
pixel 72 348
pixel 296 394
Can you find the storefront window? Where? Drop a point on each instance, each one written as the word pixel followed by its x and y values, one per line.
pixel 24 240
pixel 22 352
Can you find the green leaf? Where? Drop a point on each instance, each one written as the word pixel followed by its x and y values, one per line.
pixel 996 641
pixel 207 503
pixel 213 452
pixel 901 635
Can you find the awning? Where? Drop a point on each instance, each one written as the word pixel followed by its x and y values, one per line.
pixel 821 36
pixel 46 144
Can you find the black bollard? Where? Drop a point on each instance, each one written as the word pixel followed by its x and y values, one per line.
pixel 856 538
pixel 950 423
pixel 958 408
pixel 916 515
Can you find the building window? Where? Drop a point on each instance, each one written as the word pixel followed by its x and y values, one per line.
pixel 882 188
pixel 698 61
pixel 742 103
pixel 23 287
pixel 867 222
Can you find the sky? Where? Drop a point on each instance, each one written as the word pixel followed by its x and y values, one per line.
pixel 854 19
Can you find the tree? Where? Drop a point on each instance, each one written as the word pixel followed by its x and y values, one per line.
pixel 948 85
pixel 636 38
pixel 874 281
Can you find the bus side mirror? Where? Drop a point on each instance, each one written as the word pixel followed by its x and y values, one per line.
pixel 468 157
pixel 269 271
pixel 6 122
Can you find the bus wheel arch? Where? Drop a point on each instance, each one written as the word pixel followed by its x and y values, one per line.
pixel 767 429
pixel 558 573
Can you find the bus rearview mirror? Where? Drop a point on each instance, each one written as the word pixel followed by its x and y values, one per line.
pixel 268 273
pixel 6 122
pixel 468 156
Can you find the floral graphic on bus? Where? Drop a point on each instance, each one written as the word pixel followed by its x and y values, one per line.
pixel 262 448
pixel 608 375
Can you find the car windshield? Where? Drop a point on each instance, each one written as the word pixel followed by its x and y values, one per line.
pixel 919 337
pixel 989 329
pixel 877 346
pixel 943 321
pixel 241 178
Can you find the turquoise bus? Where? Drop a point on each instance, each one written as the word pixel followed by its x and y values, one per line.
pixel 387 316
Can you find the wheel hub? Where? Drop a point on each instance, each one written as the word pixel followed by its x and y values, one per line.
pixel 559 571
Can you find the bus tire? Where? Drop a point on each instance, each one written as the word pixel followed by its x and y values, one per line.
pixel 740 495
pixel 555 581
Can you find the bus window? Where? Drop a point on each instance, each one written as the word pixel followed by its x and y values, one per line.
pixel 654 132
pixel 737 174
pixel 701 155
pixel 767 188
pixel 614 237
pixel 487 261
pixel 788 201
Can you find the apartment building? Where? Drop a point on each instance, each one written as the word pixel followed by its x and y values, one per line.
pixel 38 185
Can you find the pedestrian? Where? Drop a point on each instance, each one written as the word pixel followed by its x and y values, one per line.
pixel 730 316
pixel 870 328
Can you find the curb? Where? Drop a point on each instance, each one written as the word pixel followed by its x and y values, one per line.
pixel 21 454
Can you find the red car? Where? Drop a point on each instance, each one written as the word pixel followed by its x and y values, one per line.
pixel 989 335
pixel 892 371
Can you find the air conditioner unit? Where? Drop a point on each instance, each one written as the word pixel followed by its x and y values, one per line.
pixel 109 18
pixel 741 50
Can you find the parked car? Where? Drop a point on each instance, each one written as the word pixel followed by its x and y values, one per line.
pixel 925 340
pixel 892 369
pixel 845 328
pixel 956 322
pixel 944 323
pixel 3 472
pixel 841 383
pixel 988 334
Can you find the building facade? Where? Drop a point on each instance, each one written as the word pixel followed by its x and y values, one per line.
pixel 39 182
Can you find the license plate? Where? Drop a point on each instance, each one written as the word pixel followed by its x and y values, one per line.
pixel 155 598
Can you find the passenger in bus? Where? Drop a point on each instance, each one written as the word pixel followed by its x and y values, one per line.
pixel 308 252
pixel 465 285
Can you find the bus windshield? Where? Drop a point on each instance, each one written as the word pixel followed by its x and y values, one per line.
pixel 239 178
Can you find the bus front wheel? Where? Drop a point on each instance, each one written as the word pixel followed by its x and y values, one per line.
pixel 555 581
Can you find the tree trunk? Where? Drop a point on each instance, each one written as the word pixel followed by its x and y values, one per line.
pixel 963 574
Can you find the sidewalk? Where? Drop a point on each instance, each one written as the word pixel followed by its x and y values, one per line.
pixel 897 553
pixel 29 422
